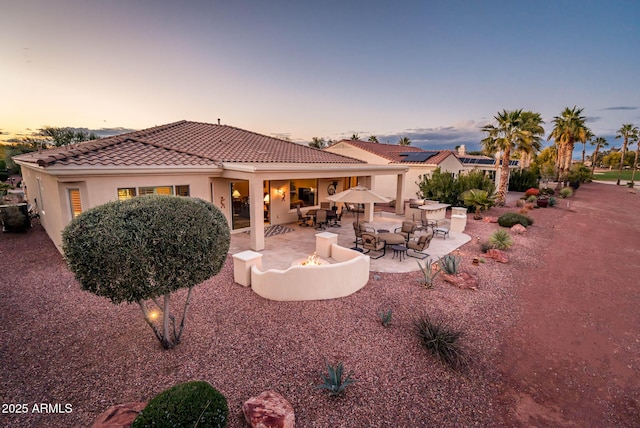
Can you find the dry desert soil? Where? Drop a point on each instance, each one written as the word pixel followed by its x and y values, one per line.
pixel 552 337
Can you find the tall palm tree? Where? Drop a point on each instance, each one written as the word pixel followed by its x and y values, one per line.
pixel 514 130
pixel 584 144
pixel 373 139
pixel 355 137
pixel 404 141
pixel 628 132
pixel 598 142
pixel 568 128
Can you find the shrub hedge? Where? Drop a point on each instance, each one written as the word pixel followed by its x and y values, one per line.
pixel 188 404
pixel 511 219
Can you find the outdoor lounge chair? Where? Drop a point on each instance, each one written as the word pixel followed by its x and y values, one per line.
pixel 303 218
pixel 417 246
pixel 354 208
pixel 359 229
pixel 371 242
pixel 408 228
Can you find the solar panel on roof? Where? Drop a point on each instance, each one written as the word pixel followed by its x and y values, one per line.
pixel 417 156
pixel 478 161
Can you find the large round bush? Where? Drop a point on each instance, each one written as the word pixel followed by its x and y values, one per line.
pixel 185 405
pixel 146 246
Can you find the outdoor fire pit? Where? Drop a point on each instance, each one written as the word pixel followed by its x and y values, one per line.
pixel 312 260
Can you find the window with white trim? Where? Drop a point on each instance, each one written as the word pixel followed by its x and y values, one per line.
pixel 75 202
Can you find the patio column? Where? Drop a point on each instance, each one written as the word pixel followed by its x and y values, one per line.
pixel 257 215
pixel 399 193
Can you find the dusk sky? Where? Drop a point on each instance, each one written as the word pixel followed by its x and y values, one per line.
pixel 433 71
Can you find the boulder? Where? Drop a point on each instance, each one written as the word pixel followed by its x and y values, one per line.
pixel 462 280
pixel 269 410
pixel 120 416
pixel 518 229
pixel 497 255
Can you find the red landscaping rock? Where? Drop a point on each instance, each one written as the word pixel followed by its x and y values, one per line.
pixel 489 219
pixel 518 229
pixel 120 416
pixel 497 255
pixel 269 410
pixel 462 280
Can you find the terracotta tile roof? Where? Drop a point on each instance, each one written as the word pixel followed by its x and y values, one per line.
pixel 184 143
pixel 393 152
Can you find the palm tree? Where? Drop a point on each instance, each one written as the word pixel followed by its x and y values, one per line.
pixel 584 144
pixel 514 130
pixel 355 137
pixel 568 128
pixel 635 161
pixel 404 141
pixel 628 132
pixel 373 139
pixel 598 142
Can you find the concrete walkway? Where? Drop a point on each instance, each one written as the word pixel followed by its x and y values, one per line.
pixel 282 249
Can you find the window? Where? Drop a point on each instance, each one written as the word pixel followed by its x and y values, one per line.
pixel 303 193
pixel 75 202
pixel 126 193
pixel 158 190
pixel 182 190
pixel 131 192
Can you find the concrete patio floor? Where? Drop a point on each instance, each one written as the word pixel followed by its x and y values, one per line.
pixel 283 249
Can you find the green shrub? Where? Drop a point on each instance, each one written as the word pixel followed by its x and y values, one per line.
pixel 385 317
pixel 443 187
pixel 333 382
pixel 450 264
pixel 552 201
pixel 511 219
pixel 185 405
pixel 565 192
pixel 547 191
pixel 428 274
pixel 521 180
pixel 478 199
pixel 441 340
pixel 147 247
pixel 500 239
pixel 485 246
pixel 531 199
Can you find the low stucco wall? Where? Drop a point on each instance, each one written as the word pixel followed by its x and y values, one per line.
pixel 348 275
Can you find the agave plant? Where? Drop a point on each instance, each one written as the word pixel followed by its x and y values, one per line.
pixel 333 382
pixel 479 199
pixel 450 264
pixel 429 274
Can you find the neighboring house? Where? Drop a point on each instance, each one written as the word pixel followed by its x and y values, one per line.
pixel 230 167
pixel 418 161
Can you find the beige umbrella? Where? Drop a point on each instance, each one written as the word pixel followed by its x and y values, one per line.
pixel 358 195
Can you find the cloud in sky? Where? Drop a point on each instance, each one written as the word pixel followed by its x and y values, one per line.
pixel 440 138
pixel 621 108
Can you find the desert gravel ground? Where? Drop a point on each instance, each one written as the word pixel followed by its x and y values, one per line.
pixel 577 267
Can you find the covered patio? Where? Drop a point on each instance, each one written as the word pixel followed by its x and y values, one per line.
pixel 282 249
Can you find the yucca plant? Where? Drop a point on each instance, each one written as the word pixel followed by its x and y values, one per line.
pixel 441 340
pixel 450 264
pixel 500 239
pixel 428 273
pixel 333 382
pixel 385 317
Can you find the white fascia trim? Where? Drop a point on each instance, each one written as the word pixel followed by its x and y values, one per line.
pixel 341 168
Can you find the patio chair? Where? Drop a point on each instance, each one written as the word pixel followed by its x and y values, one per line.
pixel 303 218
pixel 354 208
pixel 408 228
pixel 415 247
pixel 321 219
pixel 325 205
pixel 336 220
pixel 359 229
pixel 371 242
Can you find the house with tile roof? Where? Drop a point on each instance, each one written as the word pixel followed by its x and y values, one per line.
pixel 254 179
pixel 417 161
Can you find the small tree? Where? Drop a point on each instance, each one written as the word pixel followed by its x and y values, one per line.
pixel 145 248
pixel 478 199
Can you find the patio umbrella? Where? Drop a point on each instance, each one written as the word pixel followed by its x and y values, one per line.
pixel 358 195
